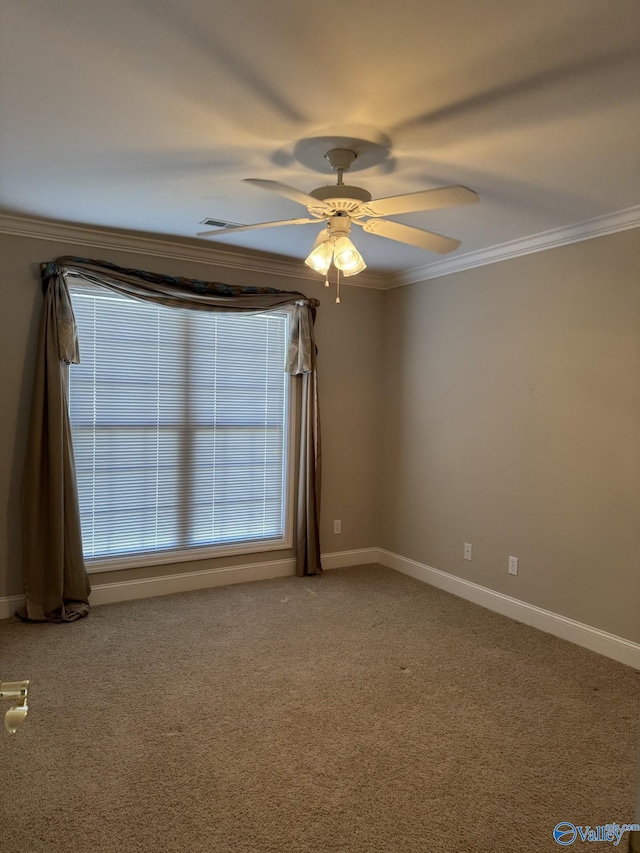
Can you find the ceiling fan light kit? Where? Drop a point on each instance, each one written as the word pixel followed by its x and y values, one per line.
pixel 333 244
pixel 341 205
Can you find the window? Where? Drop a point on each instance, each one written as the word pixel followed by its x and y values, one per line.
pixel 180 424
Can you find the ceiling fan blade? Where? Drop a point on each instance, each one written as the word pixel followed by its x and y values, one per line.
pixel 425 200
pixel 286 191
pixel 235 228
pixel 413 236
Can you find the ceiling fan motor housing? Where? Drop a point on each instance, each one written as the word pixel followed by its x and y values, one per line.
pixel 343 197
pixel 331 192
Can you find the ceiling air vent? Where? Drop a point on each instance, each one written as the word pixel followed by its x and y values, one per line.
pixel 218 223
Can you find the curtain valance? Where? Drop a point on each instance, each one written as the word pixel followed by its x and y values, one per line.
pixel 179 292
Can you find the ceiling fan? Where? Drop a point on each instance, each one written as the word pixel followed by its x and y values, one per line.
pixel 342 205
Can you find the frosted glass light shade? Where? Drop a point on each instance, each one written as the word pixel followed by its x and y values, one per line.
pixel 355 270
pixel 346 257
pixel 319 259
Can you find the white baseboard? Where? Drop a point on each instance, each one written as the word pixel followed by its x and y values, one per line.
pixel 610 645
pixel 109 593
pixel 10 604
pixel 341 559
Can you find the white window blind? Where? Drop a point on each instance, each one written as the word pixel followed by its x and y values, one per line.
pixel 179 423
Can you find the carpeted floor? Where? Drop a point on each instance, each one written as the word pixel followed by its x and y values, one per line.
pixel 359 711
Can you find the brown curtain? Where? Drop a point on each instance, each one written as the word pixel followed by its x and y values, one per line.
pixel 56 583
pixel 301 359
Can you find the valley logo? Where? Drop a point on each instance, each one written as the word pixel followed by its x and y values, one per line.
pixel 566 833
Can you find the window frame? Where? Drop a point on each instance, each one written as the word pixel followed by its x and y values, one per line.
pixel 95 565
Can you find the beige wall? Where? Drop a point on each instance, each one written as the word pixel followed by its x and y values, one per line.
pixel 512 421
pixel 348 338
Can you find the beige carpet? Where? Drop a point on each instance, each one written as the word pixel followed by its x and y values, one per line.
pixel 360 711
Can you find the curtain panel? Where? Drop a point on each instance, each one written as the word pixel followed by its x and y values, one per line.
pixel 56 582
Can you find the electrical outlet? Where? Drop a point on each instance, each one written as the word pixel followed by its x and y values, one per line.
pixel 468 551
pixel 513 565
pixel 337 526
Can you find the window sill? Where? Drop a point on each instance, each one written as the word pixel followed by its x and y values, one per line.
pixel 190 555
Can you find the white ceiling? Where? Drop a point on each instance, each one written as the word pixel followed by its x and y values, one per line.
pixel 146 114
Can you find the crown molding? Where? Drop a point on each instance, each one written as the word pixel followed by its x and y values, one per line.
pixel 610 223
pixel 103 238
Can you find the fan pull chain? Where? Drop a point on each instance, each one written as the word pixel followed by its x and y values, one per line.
pixel 338 286
pixel 326 280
